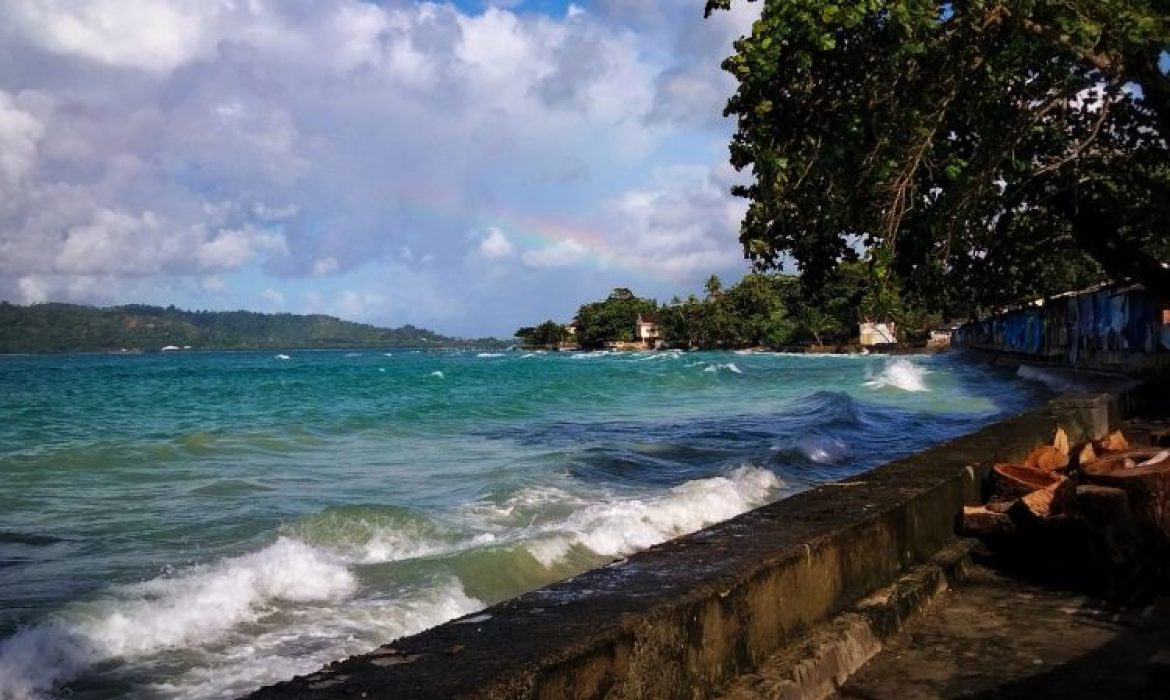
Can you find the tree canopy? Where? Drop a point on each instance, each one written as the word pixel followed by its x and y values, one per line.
pixel 975 153
pixel 612 319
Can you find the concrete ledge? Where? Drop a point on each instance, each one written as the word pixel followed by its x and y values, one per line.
pixel 685 618
pixel 817 665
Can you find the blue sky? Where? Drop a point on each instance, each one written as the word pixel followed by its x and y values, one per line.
pixel 468 167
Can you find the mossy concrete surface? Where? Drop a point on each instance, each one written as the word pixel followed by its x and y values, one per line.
pixel 686 618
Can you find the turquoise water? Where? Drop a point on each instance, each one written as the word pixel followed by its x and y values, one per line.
pixel 197 525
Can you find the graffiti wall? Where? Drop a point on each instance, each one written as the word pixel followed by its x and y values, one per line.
pixel 1105 327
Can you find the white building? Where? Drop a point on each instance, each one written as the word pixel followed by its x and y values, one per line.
pixel 647 331
pixel 877 334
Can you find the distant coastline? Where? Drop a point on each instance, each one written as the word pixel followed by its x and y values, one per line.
pixel 70 328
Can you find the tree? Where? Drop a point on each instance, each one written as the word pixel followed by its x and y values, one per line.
pixel 713 286
pixel 549 333
pixel 818 323
pixel 612 319
pixel 982 151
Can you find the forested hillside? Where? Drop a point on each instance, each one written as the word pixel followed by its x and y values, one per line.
pixel 71 328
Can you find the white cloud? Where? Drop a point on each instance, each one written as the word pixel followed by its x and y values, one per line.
pixel 20 133
pixel 496 246
pixel 231 249
pixel 151 144
pixel 33 290
pixel 560 254
pixel 325 266
pixel 215 284
pixel 149 35
pixel 684 224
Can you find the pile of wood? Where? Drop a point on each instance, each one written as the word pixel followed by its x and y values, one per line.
pixel 1111 492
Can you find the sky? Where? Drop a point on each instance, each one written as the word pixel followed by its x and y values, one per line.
pixel 468 167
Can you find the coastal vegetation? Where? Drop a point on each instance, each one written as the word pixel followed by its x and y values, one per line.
pixel 760 310
pixel 969 155
pixel 72 328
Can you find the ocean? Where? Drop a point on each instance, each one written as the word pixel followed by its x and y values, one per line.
pixel 198 524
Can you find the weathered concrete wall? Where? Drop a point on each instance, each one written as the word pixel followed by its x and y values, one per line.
pixel 684 618
pixel 1106 329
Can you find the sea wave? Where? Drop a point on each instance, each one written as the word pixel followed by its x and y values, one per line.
pixel 900 373
pixel 722 367
pixel 614 527
pixel 380 534
pixel 195 607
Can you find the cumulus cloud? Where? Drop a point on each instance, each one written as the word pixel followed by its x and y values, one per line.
pixel 683 224
pixel 20 133
pixel 560 254
pixel 496 245
pixel 325 266
pixel 155 145
pixel 142 34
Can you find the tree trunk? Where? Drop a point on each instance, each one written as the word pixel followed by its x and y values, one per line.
pixel 1094 226
pixel 1147 488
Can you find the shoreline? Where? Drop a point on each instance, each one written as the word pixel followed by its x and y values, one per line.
pixel 689 616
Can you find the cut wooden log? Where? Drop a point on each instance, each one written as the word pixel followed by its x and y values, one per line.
pixel 1115 442
pixel 979 521
pixel 1087 454
pixel 1115 541
pixel 1147 487
pixel 999 506
pixel 1060 442
pixel 1010 482
pixel 1046 458
pixel 1053 499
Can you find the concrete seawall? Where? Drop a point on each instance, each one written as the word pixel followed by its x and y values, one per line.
pixel 686 618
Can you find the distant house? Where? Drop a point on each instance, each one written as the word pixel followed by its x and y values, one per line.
pixel 647 332
pixel 877 334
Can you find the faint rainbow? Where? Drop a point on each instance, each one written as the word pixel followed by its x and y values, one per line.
pixel 534 233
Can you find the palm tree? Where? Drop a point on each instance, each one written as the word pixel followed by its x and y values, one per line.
pixel 818 323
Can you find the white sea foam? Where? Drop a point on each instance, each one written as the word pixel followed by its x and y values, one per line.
pixel 281 356
pixel 592 355
pixel 490 354
pixel 527 355
pixel 728 366
pixel 199 606
pixel 387 354
pixel 823 450
pixel 661 355
pixel 900 373
pixel 315 636
pixel 398 545
pixel 439 374
pixel 624 526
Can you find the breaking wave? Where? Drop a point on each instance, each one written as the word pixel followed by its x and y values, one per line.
pixel 900 373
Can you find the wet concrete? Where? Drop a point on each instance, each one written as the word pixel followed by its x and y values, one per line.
pixel 685 618
pixel 1004 633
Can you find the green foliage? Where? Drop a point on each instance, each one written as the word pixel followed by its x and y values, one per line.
pixel 612 319
pixel 818 324
pixel 972 153
pixel 754 312
pixel 548 334
pixel 71 328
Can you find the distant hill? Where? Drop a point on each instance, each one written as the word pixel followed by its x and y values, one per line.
pixel 72 328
